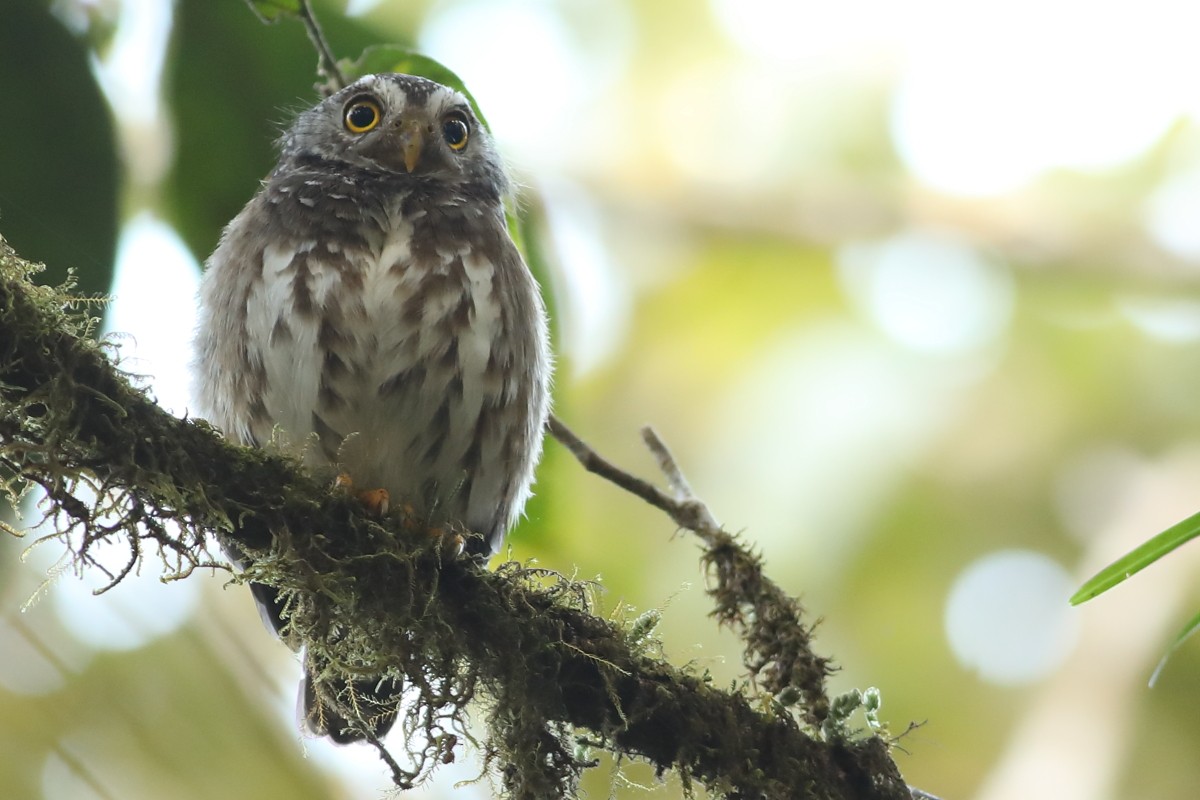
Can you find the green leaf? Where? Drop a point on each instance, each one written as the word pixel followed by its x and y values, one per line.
pixel 398 58
pixel 1192 626
pixel 229 110
pixel 1138 559
pixel 59 171
pixel 272 10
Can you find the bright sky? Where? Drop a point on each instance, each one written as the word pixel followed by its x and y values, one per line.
pixel 990 95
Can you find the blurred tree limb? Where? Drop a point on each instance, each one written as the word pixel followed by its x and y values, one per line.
pixel 371 594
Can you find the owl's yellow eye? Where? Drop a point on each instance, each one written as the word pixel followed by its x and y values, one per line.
pixel 456 131
pixel 362 115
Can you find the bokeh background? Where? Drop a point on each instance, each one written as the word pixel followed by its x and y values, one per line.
pixel 912 288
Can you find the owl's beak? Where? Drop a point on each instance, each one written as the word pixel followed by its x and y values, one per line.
pixel 411 141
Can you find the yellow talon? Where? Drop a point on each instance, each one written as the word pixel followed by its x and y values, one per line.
pixel 409 517
pixel 375 501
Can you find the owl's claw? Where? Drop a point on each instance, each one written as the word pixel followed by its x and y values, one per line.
pixel 375 501
pixel 451 541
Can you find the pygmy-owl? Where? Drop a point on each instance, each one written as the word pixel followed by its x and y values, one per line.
pixel 368 306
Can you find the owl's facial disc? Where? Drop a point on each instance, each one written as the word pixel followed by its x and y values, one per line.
pixel 402 125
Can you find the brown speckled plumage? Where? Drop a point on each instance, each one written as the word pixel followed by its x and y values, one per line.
pixel 382 320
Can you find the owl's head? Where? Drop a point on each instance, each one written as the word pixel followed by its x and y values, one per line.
pixel 398 124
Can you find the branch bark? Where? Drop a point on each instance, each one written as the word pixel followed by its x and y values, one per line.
pixel 372 594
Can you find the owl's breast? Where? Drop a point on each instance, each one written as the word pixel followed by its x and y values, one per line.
pixel 392 361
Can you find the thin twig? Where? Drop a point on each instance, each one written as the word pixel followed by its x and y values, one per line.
pixel 400 777
pixel 596 463
pixel 685 509
pixel 667 463
pixel 327 66
pixel 692 513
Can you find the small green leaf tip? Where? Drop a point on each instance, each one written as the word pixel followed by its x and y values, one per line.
pixel 1138 559
pixel 1191 627
pixel 272 10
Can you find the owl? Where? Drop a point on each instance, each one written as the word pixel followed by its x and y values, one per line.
pixel 368 307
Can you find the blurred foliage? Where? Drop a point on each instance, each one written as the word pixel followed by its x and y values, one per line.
pixel 154 705
pixel 58 157
pixel 734 322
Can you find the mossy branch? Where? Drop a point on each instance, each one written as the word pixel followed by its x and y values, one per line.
pixel 368 596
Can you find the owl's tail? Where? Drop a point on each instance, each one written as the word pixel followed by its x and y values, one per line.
pixel 348 711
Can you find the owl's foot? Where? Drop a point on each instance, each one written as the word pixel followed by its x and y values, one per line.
pixel 451 541
pixel 375 501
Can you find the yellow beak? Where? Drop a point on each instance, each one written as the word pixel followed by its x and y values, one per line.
pixel 411 140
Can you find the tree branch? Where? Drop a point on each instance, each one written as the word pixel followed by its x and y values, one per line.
pixel 327 66
pixel 370 596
